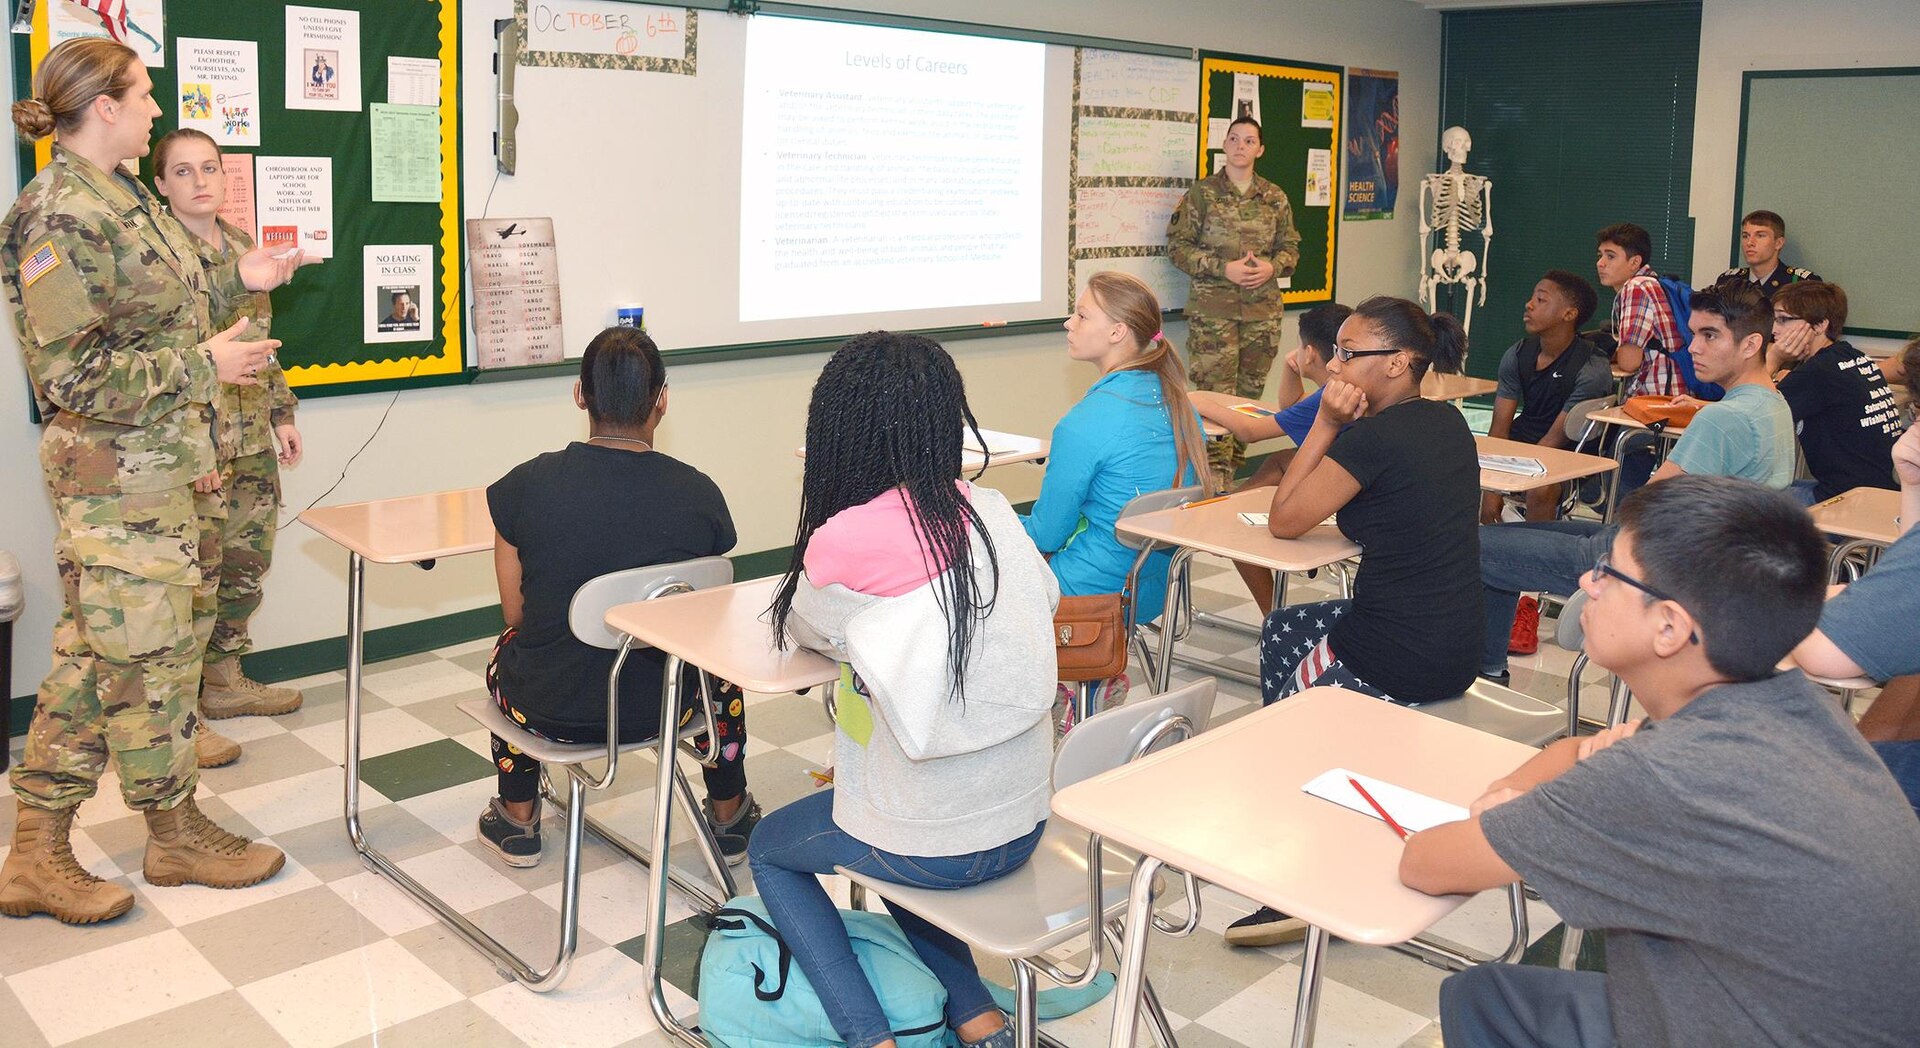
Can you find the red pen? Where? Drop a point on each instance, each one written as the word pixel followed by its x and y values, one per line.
pixel 1362 790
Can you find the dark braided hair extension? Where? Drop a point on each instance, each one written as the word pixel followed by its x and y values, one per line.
pixel 887 412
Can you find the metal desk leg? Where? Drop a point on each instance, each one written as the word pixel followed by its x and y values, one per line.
pixel 662 835
pixel 502 958
pixel 1613 479
pixel 1306 1006
pixel 1176 599
pixel 1133 960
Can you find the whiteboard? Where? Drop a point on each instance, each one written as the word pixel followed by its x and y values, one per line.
pixel 640 172
pixel 1834 152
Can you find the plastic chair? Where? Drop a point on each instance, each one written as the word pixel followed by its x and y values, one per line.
pixel 586 616
pixel 1072 874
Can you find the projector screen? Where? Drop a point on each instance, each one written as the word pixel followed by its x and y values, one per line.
pixel 887 169
pixel 810 180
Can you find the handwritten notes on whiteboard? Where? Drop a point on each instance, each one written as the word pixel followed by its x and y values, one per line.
pixel 1136 131
pixel 1124 216
pixel 1133 81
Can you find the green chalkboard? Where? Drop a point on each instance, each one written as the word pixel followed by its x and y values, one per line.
pixel 319 317
pixel 1299 106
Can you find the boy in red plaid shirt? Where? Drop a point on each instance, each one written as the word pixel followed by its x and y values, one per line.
pixel 1643 322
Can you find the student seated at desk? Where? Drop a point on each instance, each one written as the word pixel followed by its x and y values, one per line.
pixel 563 519
pixel 1842 407
pixel 1404 475
pixel 1119 441
pixel 940 611
pixel 1755 868
pixel 1543 375
pixel 1292 417
pixel 1747 434
pixel 1867 630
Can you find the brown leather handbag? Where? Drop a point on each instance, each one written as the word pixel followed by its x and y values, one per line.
pixel 1090 636
pixel 1650 408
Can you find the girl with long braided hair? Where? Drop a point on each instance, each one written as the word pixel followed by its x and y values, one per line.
pixel 939 609
pixel 1119 441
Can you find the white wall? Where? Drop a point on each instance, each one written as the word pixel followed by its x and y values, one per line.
pixel 1737 36
pixel 738 421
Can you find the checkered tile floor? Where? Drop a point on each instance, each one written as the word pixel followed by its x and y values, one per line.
pixel 328 953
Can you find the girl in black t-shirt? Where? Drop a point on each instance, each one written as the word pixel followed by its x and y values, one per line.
pixel 1404 478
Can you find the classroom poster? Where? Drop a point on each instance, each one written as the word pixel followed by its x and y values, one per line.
pixel 399 279
pixel 295 203
pixel 1316 105
pixel 220 89
pixel 515 267
pixel 413 81
pixel 406 152
pixel 238 207
pixel 1246 100
pixel 1319 178
pixel 1373 143
pixel 323 59
pixel 139 24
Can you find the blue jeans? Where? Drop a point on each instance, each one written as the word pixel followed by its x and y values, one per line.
pixel 1802 491
pixel 1903 760
pixel 1549 556
pixel 793 844
pixel 1517 1006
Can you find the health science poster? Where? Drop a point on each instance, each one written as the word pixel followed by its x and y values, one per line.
pixel 220 89
pixel 398 279
pixel 323 59
pixel 295 195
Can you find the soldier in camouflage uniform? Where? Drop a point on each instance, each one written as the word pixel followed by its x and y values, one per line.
pixel 1233 234
pixel 110 304
pixel 188 171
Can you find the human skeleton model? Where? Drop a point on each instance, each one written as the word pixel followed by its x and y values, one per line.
pixel 1453 202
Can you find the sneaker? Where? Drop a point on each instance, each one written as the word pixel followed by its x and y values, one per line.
pixel 1504 678
pixel 1064 711
pixel 1266 926
pixel 1113 692
pixel 1525 639
pixel 734 834
pixel 517 843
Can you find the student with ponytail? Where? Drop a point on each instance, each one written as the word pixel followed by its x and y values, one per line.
pixel 1403 474
pixel 939 610
pixel 1119 441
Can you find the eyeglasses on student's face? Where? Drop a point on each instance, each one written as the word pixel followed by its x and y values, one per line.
pixel 1603 569
pixel 1343 354
pixel 1785 318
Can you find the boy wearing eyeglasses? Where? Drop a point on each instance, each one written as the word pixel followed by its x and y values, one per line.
pixel 1747 434
pixel 1843 409
pixel 1754 866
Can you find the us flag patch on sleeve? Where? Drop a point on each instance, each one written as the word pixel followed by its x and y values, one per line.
pixel 38 264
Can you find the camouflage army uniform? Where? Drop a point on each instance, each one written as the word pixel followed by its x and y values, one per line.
pixel 249 470
pixel 1781 276
pixel 1233 334
pixel 110 302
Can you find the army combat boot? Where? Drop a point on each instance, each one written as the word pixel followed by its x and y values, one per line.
pixel 226 691
pixel 185 847
pixel 212 749
pixel 42 876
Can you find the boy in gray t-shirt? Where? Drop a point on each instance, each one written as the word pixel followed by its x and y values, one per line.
pixel 1754 865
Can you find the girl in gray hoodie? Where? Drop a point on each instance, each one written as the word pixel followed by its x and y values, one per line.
pixel 939 609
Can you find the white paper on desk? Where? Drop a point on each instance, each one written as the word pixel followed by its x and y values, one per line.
pixel 1414 811
pixel 999 443
pixel 1259 520
pixel 1519 465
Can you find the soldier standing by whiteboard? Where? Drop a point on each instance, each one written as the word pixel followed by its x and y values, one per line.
pixel 110 302
pixel 1234 235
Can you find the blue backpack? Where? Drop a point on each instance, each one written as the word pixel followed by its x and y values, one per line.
pixel 1680 300
pixel 752 995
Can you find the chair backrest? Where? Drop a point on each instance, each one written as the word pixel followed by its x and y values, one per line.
pixel 587 614
pixel 1153 502
pixel 1576 427
pixel 1110 738
pixel 1567 632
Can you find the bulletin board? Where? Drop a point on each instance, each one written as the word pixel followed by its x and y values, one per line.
pixel 321 318
pixel 1299 106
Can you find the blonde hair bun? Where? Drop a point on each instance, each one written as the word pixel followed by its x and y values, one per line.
pixel 32 119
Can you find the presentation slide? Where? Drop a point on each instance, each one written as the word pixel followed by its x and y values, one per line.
pixel 888 169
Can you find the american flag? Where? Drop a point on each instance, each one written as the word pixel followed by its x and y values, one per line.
pixel 112 13
pixel 41 261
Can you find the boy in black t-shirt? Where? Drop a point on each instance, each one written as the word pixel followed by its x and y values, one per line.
pixel 1843 410
pixel 1543 375
pixel 564 518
